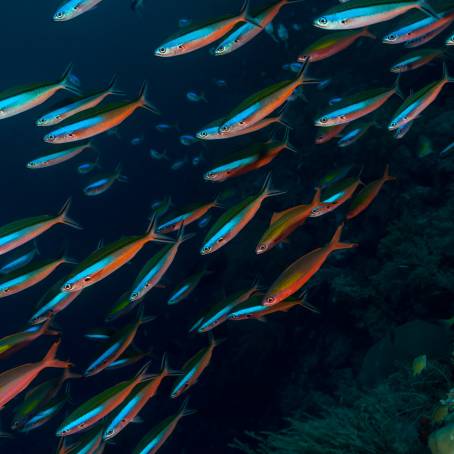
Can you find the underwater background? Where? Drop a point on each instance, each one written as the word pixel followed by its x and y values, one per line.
pixel 286 377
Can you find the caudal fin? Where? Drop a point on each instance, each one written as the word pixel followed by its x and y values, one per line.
pixel 287 143
pixel 50 359
pixel 69 82
pixel 335 242
pixel 151 232
pixel 424 6
pixel 387 176
pixel 245 16
pixel 446 76
pixel 184 410
pixel 63 217
pixel 144 101
pixel 267 190
pixel 111 88
pixel 301 78
pixel 368 34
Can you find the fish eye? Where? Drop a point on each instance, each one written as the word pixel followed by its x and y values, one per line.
pixel 162 50
pixel 242 123
pixel 203 133
pixel 323 120
pixel 50 138
pixel 70 135
pixel 57 117
pixel 393 123
pixel 68 286
pixel 134 295
pixel 59 14
pixel 270 300
pixel 221 49
pixel 323 20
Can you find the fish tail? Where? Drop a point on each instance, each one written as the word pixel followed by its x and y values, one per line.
pixel 287 143
pixel 65 219
pixel 396 87
pixel 245 16
pixel 151 233
pixel 368 34
pixel 142 373
pixel 217 203
pixel 301 77
pixel 317 195
pixel 67 81
pixel 184 410
pixel 121 178
pixel 267 190
pixel 166 369
pixel 387 176
pixel 144 101
pixel 51 361
pixel 214 342
pixel 335 242
pixel 446 75
pixel 144 319
pixel 424 6
pixel 68 375
pixel 304 303
pixel 111 88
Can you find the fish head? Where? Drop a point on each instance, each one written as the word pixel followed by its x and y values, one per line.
pixel 332 22
pixel 32 165
pixel 170 50
pixel 215 176
pixel 4 291
pixel 68 11
pixel 109 433
pixel 208 133
pixel 389 39
pixel 397 122
pixel 136 294
pixel 226 47
pixel 330 120
pixel 75 284
pixel 270 299
pixel 47 121
pixel 262 247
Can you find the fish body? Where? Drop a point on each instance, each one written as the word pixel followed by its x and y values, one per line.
pixel 332 44
pixel 197 37
pixel 353 133
pixel 29 275
pixel 193 369
pixel 96 121
pixel 188 216
pixel 416 103
pixel 103 182
pixel 121 307
pixel 17 101
pixel 367 194
pixel 71 9
pixel 329 133
pixel 88 102
pixel 423 39
pixel 357 106
pixel 247 32
pixel 302 270
pixel 20 232
pixel 362 13
pixel 262 104
pixel 108 259
pixel 182 291
pixel 14 381
pixel 415 59
pixel 156 267
pixel 230 224
pixel 334 176
pixel 58 157
pixel 336 195
pixel 285 223
pixel 19 260
pixel 100 406
pixel 153 441
pixel 89 443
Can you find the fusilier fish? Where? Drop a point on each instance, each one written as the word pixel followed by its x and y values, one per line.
pixel 236 218
pixel 182 291
pixel 102 182
pixel 415 59
pixel 70 9
pixel 58 157
pixel 302 270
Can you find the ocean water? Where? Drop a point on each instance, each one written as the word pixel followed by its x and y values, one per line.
pixel 262 372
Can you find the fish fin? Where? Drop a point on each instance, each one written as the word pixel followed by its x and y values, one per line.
pixel 396 87
pixel 181 237
pixel 144 319
pixel 367 33
pixel 214 342
pixel 216 203
pixel 111 88
pixel 151 232
pixel 245 15
pixel 144 102
pixel 35 245
pixel 304 303
pixel 287 143
pixel 51 361
pixel 184 410
pixel 68 375
pixel 67 83
pixel 424 6
pixel 335 242
pixel 301 77
pixel 142 373
pixel 65 219
pixel 267 191
pixel 52 332
pixel 446 76
pixel 278 215
pixel 387 176
pixel 166 369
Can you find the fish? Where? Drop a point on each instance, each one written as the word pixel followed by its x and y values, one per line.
pixel 187 140
pixel 14 381
pixel 357 106
pixel 155 154
pixel 328 133
pixel 184 22
pixel 121 307
pixel 29 275
pixel 251 158
pixel 178 165
pixel 165 127
pixel 58 157
pixel 16 101
pixel 183 290
pixel 336 195
pixel 156 267
pixel 196 97
pixel 367 194
pixel 400 132
pixel 87 167
pixel 294 67
pixel 74 8
pixel 132 356
pixel 153 440
pixel 19 232
pixel 334 176
pixel 446 150
pixel 160 207
pixel 414 60
pixel 134 403
pixel 294 277
pixel 96 121
pixel 284 223
pixel 197 37
pixel 117 345
pixel 218 313
pixel 89 443
pixel 417 102
pixel 230 224
pixel 19 340
pixel 282 32
pixel 19 259
pixel 53 302
pixel 187 216
pixel 419 364
pixel 332 44
pixel 87 102
pixel 254 309
pixel 102 182
pixel 101 405
pixel 245 33
pixel 420 40
pixel 353 132
pixel 211 132
pixel 193 369
pixel 417 28
pixel 263 103
pixel 362 13
pixel 109 258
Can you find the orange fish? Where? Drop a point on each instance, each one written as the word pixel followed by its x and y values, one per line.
pixel 367 194
pixel 300 271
